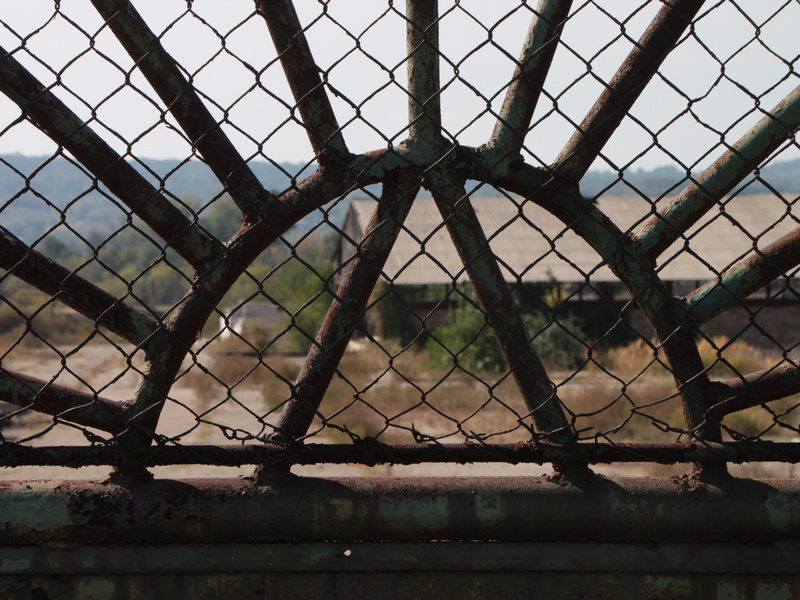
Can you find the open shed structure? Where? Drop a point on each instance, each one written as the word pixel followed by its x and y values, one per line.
pixel 533 246
pixel 666 471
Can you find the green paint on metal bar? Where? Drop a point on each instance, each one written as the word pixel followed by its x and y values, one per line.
pixel 35 507
pixel 754 147
pixel 527 84
pixel 738 282
pixel 502 312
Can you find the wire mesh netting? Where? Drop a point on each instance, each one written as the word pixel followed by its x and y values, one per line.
pixel 325 232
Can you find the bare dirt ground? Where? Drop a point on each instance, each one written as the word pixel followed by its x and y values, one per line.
pixel 191 419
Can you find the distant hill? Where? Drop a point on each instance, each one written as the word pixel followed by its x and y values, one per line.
pixel 783 177
pixel 35 190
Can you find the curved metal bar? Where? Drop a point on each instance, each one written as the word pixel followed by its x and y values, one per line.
pixel 180 98
pixel 502 313
pixel 625 87
pixel 62 402
pixel 65 286
pixel 666 314
pixel 632 259
pixel 211 286
pixel 64 127
pixel 347 307
pixel 756 389
pixel 744 278
pixel 699 197
pixel 528 81
pixel 303 76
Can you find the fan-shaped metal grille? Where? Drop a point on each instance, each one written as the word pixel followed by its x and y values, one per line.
pixel 356 292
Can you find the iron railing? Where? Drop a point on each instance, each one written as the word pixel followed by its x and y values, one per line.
pixel 151 317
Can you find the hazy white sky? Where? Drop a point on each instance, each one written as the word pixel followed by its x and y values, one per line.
pixel 722 71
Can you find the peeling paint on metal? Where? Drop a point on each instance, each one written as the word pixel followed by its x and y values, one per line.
pixel 428 512
pixel 488 508
pixel 35 506
pixel 753 147
pixel 664 587
pixel 728 590
pixel 341 508
pixel 774 591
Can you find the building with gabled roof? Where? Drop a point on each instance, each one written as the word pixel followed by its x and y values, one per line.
pixel 532 245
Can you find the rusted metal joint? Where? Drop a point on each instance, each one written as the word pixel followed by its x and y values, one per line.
pixel 278 468
pixel 497 163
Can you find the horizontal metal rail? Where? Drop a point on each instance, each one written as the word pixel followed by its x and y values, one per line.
pixel 371 452
pixel 304 509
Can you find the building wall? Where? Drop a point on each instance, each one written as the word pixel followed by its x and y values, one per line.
pixel 772 327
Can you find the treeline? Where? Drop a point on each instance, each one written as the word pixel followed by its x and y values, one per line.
pixel 782 176
pixel 133 264
pixel 36 191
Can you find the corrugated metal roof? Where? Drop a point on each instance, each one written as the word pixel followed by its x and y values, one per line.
pixel 535 246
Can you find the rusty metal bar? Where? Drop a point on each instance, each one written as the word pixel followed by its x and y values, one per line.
pixel 565 202
pixel 666 314
pixel 371 452
pixel 691 378
pixel 700 196
pixel 347 308
pixel 501 311
pixel 624 88
pixel 422 42
pixel 746 277
pixel 162 361
pixel 756 389
pixel 62 402
pixel 622 256
pixel 304 80
pixel 312 193
pixel 211 286
pixel 280 215
pixel 65 286
pixel 300 509
pixel 182 101
pixel 53 117
pixel 528 81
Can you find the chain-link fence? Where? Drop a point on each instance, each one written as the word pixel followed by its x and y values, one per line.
pixel 578 247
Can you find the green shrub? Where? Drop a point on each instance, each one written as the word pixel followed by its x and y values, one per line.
pixel 469 342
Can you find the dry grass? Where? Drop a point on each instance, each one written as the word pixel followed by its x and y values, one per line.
pixel 637 402
pixel 397 396
pixel 771 421
pixel 723 358
pixel 731 359
pixel 637 358
pixel 646 411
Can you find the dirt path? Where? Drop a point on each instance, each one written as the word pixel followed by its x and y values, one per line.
pixel 215 417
